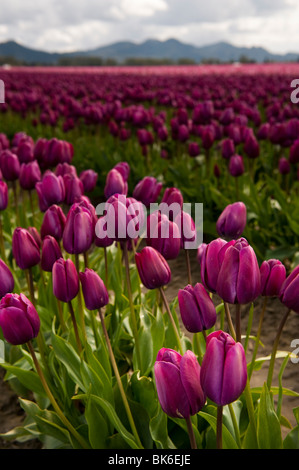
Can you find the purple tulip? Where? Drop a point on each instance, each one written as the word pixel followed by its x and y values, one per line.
pixel 124 169
pixel 166 239
pixel 294 152
pixel 65 280
pixel 25 249
pixel 232 221
pixel 3 195
pixel 89 180
pixel 193 149
pixel 19 319
pixel 284 166
pixel 78 232
pixel 74 189
pixel 239 279
pixel 236 165
pixel 223 369
pixel 10 165
pixel 115 184
pixel 63 169
pixel 147 190
pixel 289 291
pixel 6 279
pixel 36 235
pixel 210 265
pixel 152 267
pixel 178 383
pixel 251 146
pixel 50 190
pixel 30 174
pixel 187 229
pixel 197 309
pixel 273 275
pixel 94 290
pixel 125 217
pixel 227 148
pixel 101 239
pixel 51 252
pixel 53 222
pixel 25 151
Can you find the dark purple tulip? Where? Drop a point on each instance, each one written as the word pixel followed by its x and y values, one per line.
pixel 3 195
pixel 25 151
pixel 19 319
pixel 216 171
pixel 162 133
pixel 57 151
pixel 125 217
pixel 210 265
pixel 39 149
pixel 239 279
pixel 153 269
pixel 74 189
pixel 63 169
pixel 197 309
pixel 30 174
pixel 183 133
pixel 263 131
pixel 65 280
pixel 207 136
pixel 4 141
pixel 115 184
pixel 200 251
pixel 78 232
pixel 178 383
pixel 36 235
pixel 10 165
pixel 284 166
pixel 223 369
pixel 101 239
pixel 53 222
pixel 289 291
pixel 227 148
pixel 51 252
pixel 94 290
pixel 251 147
pixel 6 279
pixel 25 249
pixel 89 180
pixel 187 229
pixel 193 149
pixel 232 221
pixel 147 190
pixel 236 165
pixel 173 196
pixel 50 190
pixel 227 116
pixel 273 275
pixel 167 239
pixel 124 169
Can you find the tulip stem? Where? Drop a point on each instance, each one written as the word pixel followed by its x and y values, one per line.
pixel 60 314
pixel 235 424
pixel 275 346
pixel 191 433
pixel 53 401
pixel 238 323
pixel 32 207
pixel 132 308
pixel 118 379
pixel 229 320
pixel 187 256
pixel 75 326
pixel 257 337
pixel 171 320
pixel 3 255
pixel 16 200
pixel 106 266
pixel 80 304
pixel 250 408
pixel 219 426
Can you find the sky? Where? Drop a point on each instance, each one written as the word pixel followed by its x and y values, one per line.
pixel 69 25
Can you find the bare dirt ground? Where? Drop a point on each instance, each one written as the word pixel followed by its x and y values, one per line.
pixel 11 414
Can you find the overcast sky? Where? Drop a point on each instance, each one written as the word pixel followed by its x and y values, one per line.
pixel 66 25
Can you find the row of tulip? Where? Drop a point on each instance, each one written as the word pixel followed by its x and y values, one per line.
pixel 86 332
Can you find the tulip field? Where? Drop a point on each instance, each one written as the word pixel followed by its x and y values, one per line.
pixel 99 167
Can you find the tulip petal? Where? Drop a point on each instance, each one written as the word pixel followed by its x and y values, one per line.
pixel 190 377
pixel 235 374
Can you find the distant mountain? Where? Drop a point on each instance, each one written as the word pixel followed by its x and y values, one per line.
pixel 171 49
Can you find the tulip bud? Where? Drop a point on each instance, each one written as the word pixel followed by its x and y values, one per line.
pixel 50 190
pixel 10 165
pixel 25 151
pixel 115 184
pixel 294 152
pixel 178 383
pixel 273 275
pixel 101 239
pixel 239 279
pixel 251 147
pixel 124 169
pixel 173 198
pixel 227 148
pixel 36 235
pixel 89 180
pixel 223 369
pixel 289 291
pixel 30 174
pixel 63 169
pixel 3 195
pixel 51 252
pixel 193 149
pixel 53 222
pixel 78 232
pixel 236 165
pixel 74 189
pixel 210 264
pixel 94 290
pixel 284 166
pixel 25 249
pixel 6 279
pixel 153 269
pixel 197 309
pixel 147 190
pixel 19 319
pixel 232 221
pixel 65 280
pixel 187 229
pixel 125 217
pixel 167 239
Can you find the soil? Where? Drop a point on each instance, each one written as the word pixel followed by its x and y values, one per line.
pixel 12 415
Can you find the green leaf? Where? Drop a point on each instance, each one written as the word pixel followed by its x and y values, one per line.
pixel 28 378
pixel 291 441
pixel 228 440
pixel 159 430
pixel 268 426
pixel 69 357
pixel 97 425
